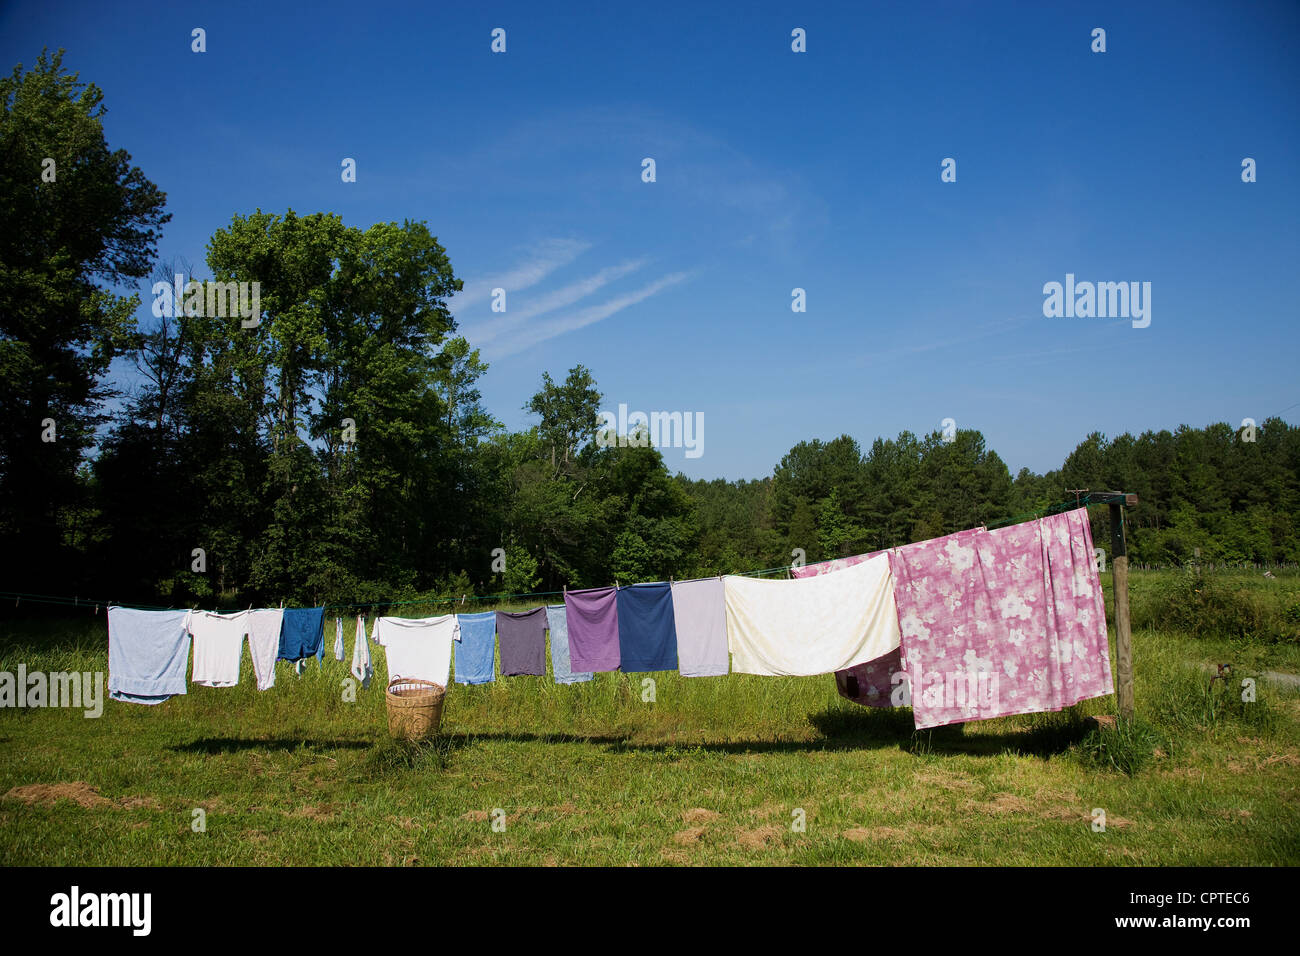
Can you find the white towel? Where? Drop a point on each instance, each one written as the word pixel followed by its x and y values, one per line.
pixel 264 643
pixel 338 638
pixel 361 668
pixel 815 625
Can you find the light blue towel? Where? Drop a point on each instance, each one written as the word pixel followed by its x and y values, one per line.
pixel 476 650
pixel 558 624
pixel 148 653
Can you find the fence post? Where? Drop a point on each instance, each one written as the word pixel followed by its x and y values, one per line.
pixel 1123 630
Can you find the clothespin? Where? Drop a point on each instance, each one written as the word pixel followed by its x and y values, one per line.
pixel 97 609
pixel 462 599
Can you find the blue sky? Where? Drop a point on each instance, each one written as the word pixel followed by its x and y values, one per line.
pixel 775 170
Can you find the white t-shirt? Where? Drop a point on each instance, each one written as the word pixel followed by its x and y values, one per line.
pixel 218 647
pixel 418 648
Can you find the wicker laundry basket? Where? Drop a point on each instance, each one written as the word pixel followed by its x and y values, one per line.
pixel 414 708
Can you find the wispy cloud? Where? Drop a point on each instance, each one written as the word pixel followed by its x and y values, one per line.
pixel 545 258
pixel 1024 359
pixel 937 342
pixel 484 332
pixel 550 329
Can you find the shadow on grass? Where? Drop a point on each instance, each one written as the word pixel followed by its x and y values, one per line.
pixel 227 745
pixel 1047 735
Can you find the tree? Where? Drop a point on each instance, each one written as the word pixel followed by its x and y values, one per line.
pixel 76 219
pixel 835 532
pixel 569 415
pixel 520 575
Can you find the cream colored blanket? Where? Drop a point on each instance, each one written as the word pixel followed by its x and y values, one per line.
pixel 815 625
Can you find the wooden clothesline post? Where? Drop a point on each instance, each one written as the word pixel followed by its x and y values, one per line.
pixel 1118 500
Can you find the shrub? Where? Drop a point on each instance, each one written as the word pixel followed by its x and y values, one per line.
pixel 1216 605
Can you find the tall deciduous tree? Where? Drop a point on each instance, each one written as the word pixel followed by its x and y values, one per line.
pixel 570 415
pixel 76 218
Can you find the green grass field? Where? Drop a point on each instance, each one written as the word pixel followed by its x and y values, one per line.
pixel 714 771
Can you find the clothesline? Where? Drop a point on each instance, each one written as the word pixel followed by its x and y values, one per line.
pixel 504 597
pixel 970 626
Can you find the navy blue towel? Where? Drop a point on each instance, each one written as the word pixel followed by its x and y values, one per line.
pixel 302 633
pixel 647 630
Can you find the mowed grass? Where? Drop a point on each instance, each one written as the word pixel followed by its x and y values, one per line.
pixel 714 771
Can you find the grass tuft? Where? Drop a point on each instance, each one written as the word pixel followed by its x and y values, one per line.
pixel 1127 747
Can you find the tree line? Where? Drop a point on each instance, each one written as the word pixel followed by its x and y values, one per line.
pixel 337 448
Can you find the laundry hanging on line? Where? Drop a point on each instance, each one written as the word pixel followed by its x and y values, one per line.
pixel 264 626
pixel 1029 634
pixel 521 636
pixel 592 619
pixel 302 634
pixel 475 658
pixel 993 623
pixel 148 654
pixel 418 648
pixel 361 666
pixel 557 623
pixel 218 647
pixel 647 632
pixel 815 625
pixel 1019 607
pixel 700 617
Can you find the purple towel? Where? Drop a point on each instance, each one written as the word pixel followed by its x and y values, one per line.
pixel 593 629
pixel 521 636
